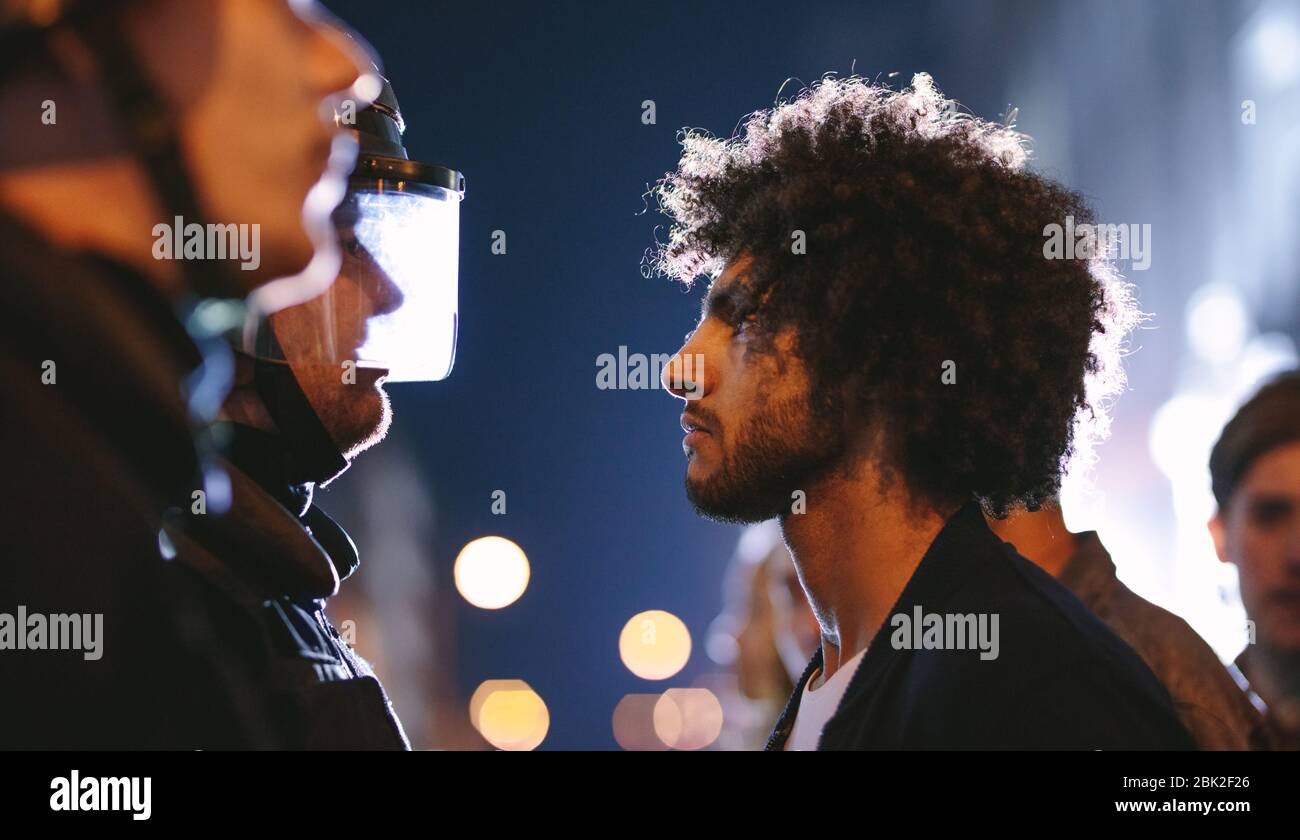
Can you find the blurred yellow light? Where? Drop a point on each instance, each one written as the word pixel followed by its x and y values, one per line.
pixel 484 689
pixel 509 714
pixel 688 718
pixel 491 572
pixel 634 723
pixel 654 645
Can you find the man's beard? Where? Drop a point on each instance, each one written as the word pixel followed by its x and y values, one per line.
pixel 786 448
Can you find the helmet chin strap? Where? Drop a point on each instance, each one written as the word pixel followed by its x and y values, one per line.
pixel 314 456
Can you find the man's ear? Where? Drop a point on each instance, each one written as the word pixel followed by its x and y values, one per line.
pixel 1218 533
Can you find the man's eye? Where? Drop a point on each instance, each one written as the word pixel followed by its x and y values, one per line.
pixel 1267 514
pixel 745 324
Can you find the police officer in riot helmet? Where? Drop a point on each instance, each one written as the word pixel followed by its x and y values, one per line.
pixel 309 398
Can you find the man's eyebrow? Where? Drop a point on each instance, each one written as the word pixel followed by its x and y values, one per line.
pixel 1270 499
pixel 717 304
pixel 724 303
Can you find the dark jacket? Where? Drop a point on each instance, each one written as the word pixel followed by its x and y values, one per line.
pixel 1061 679
pixel 91 462
pixel 267 567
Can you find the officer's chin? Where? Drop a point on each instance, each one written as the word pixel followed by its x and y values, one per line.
pixel 374 428
pixel 370 412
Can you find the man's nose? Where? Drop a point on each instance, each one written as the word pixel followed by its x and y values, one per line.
pixel 684 376
pixel 1293 546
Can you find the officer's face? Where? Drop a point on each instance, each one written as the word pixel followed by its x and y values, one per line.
pixel 254 82
pixel 322 339
pixel 1260 533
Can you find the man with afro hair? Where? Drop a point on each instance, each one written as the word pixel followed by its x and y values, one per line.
pixel 885 348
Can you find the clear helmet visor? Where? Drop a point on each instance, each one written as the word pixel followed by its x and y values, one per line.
pixel 392 311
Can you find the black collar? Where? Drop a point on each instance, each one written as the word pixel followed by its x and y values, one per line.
pixel 956 553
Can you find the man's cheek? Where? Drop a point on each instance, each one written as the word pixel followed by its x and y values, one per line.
pixel 1262 554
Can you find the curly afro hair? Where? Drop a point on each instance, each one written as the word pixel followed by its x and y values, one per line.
pixel 924 244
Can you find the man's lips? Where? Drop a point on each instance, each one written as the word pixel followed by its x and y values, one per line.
pixel 696 433
pixel 693 424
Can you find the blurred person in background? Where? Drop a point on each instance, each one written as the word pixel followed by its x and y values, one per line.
pixel 760 683
pixel 885 348
pixel 773 628
pixel 1205 696
pixel 121 118
pixel 392 610
pixel 1255 475
pixel 796 629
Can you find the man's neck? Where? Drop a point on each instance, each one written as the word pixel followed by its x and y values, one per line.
pixel 855 549
pixel 1040 537
pixel 1273 674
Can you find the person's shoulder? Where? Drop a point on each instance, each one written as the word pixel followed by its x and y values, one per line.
pixel 1164 639
pixel 1203 691
pixel 1040 614
pixel 1052 618
pixel 1061 677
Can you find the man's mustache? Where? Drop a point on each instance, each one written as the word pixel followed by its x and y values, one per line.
pixel 701 418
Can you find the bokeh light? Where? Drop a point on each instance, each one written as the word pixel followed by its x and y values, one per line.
pixel 509 715
pixel 491 572
pixel 1218 324
pixel 654 645
pixel 634 723
pixel 688 718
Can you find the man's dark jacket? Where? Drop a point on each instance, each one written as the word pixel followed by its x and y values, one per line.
pixel 1061 679
pixel 94 456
